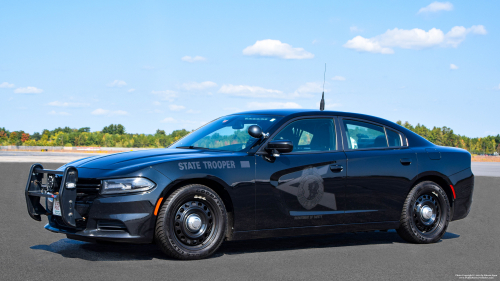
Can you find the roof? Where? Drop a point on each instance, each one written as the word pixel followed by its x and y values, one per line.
pixel 295 112
pixel 301 112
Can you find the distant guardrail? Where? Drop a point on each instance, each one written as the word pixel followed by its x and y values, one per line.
pixel 79 149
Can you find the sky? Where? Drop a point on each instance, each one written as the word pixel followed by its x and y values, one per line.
pixel 170 65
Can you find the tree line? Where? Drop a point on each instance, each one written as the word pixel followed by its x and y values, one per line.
pixel 444 136
pixel 115 135
pixel 110 136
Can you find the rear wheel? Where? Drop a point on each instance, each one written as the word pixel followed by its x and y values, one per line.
pixel 192 223
pixel 426 214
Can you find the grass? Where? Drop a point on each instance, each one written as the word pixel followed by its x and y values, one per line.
pixel 478 158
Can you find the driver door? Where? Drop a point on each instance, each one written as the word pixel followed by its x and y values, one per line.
pixel 306 186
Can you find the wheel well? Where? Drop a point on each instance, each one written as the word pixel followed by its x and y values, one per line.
pixel 441 182
pixel 218 188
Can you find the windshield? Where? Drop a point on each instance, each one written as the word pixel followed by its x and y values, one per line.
pixel 227 133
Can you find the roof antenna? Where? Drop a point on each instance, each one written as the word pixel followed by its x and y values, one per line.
pixel 322 103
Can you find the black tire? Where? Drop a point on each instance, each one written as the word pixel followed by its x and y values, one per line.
pixel 426 214
pixel 191 223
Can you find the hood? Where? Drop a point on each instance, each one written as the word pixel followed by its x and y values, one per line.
pixel 142 158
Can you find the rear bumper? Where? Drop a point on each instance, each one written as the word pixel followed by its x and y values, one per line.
pixel 464 189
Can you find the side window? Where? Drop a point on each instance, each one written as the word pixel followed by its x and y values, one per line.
pixel 393 138
pixel 310 135
pixel 364 135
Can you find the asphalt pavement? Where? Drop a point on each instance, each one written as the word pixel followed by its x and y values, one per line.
pixel 471 246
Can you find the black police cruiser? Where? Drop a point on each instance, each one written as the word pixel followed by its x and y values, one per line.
pixel 260 174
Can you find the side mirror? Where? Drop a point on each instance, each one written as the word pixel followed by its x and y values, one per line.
pixel 255 131
pixel 279 146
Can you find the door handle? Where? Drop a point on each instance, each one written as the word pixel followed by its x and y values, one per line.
pixel 405 161
pixel 336 168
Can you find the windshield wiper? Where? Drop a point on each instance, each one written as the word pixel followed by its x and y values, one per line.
pixel 199 147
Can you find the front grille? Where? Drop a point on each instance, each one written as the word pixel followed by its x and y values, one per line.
pixel 87 190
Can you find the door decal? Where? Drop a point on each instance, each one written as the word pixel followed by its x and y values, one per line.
pixel 308 188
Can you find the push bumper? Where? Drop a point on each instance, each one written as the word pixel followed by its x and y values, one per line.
pixel 118 218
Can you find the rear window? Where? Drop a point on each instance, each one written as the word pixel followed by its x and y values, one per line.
pixel 394 138
pixel 361 135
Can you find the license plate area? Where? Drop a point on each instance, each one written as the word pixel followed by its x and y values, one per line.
pixel 56 209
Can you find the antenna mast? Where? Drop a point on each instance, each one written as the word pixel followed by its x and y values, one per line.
pixel 322 103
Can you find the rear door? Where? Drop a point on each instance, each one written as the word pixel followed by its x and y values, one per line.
pixel 380 170
pixel 304 187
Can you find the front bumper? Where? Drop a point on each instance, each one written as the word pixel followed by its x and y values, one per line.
pixel 118 217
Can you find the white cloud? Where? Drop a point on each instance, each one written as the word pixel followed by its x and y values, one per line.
pixel 497 88
pixel 314 42
pixel 338 78
pixel 165 95
pixel 117 83
pixel 192 111
pixel 169 120
pixel 250 91
pixel 272 105
pixel 307 89
pixel 452 66
pixel 28 90
pixel 355 29
pixel 198 86
pixel 478 29
pixel 274 48
pixel 412 39
pixel 67 104
pixel 304 91
pixel 130 90
pixel 436 7
pixel 100 111
pixel 175 107
pixel 458 33
pixel 193 59
pixel 362 44
pixel 53 112
pixel 6 85
pixel 156 103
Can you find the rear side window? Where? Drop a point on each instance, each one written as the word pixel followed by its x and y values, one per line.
pixel 394 138
pixel 362 135
pixel 310 135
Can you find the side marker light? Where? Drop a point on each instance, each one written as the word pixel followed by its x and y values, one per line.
pixel 159 204
pixel 453 190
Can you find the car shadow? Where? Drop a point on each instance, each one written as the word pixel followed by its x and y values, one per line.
pixel 123 252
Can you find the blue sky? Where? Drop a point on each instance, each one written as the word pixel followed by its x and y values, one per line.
pixel 179 64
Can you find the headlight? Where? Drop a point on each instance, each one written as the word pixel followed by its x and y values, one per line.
pixel 126 185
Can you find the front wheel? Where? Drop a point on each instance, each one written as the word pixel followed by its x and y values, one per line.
pixel 192 223
pixel 426 214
